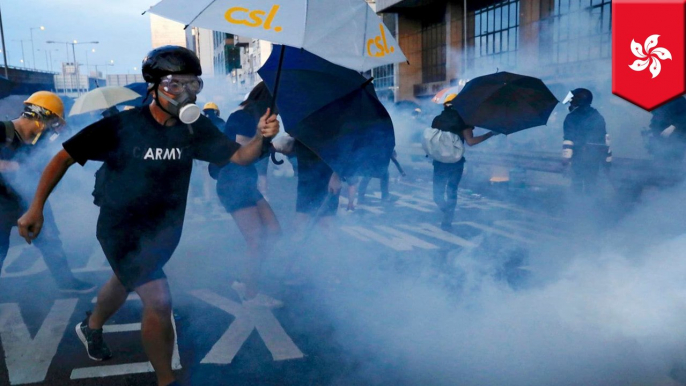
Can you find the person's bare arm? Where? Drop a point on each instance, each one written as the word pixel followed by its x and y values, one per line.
pixel 31 222
pixel 268 127
pixel 471 140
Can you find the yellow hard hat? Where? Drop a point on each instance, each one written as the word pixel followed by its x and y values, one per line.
pixel 49 101
pixel 449 98
pixel 210 106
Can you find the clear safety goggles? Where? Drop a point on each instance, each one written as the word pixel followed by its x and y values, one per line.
pixel 176 84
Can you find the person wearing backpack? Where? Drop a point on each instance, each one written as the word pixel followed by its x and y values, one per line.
pixel 444 143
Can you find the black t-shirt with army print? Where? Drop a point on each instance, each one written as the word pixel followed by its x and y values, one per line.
pixel 147 166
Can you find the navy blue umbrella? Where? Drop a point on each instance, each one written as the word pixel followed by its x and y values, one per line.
pixel 142 89
pixel 332 110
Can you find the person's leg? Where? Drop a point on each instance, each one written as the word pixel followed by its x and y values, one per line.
pixel 111 297
pixel 440 179
pixel 250 224
pixel 157 330
pixel 50 245
pixel 362 190
pixel 383 185
pixel 453 183
pixel 5 231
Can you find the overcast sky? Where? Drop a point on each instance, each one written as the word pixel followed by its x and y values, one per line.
pixel 123 34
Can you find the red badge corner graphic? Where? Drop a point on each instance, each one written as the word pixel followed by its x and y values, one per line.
pixel 648 44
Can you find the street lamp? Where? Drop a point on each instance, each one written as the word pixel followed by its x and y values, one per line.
pixel 73 50
pixel 33 52
pixel 23 59
pixel 4 51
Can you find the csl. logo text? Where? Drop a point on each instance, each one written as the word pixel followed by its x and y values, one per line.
pixel 255 18
pixel 381 44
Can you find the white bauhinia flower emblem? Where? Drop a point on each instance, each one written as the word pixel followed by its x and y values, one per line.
pixel 654 55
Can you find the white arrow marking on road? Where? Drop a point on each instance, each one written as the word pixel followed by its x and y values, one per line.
pixel 247 319
pixel 13 254
pixel 437 233
pixel 27 359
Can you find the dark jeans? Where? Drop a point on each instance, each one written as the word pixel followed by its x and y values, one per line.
pixel 585 167
pixel 446 179
pixel 383 185
pixel 48 242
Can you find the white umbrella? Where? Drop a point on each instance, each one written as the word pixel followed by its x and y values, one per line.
pixel 102 98
pixel 344 32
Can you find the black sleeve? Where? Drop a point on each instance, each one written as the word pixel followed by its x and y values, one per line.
pixel 94 142
pixel 210 144
pixel 7 134
pixel 240 123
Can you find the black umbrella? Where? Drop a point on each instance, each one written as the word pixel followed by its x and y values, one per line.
pixel 332 110
pixel 505 102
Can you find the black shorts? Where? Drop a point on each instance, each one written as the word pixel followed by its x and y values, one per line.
pixel 313 184
pixel 237 187
pixel 138 246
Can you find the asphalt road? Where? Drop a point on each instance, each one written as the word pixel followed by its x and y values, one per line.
pixel 220 342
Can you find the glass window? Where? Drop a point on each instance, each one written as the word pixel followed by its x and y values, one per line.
pixel 495 34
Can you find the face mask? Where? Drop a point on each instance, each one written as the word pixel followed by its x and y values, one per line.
pixel 183 107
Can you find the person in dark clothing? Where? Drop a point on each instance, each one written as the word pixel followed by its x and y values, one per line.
pixel 586 144
pixel 666 134
pixel 383 182
pixel 238 192
pixel 211 111
pixel 447 176
pixel 319 187
pixel 43 113
pixel 141 189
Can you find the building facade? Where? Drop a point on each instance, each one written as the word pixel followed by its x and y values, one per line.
pixel 166 32
pixel 564 42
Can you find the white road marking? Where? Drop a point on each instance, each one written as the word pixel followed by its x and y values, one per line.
pixel 400 241
pixel 127 368
pixel 492 230
pixel 96 262
pixel 132 296
pixel 247 319
pixel 27 359
pixel 437 233
pixel 12 255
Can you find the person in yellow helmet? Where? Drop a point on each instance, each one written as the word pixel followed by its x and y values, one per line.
pixel 447 175
pixel 43 117
pixel 211 111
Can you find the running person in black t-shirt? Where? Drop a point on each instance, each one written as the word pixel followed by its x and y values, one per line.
pixel 141 190
pixel 237 188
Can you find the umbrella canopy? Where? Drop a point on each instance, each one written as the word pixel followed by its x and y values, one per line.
pixel 102 98
pixel 345 32
pixel 505 102
pixel 332 110
pixel 440 96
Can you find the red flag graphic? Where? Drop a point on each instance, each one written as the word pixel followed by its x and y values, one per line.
pixel 648 44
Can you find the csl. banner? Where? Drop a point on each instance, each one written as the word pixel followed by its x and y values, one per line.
pixel 648 43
